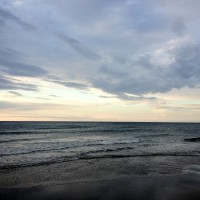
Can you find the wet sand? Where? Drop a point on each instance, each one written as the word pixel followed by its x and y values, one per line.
pixel 160 187
pixel 96 169
pixel 154 178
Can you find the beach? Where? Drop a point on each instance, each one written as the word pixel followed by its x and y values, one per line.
pixel 99 100
pixel 155 161
pixel 158 187
pixel 106 179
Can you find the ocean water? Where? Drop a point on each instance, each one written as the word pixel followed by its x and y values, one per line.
pixel 38 143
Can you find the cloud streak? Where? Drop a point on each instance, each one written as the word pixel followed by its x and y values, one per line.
pixel 6 15
pixel 8 84
pixel 71 84
pixel 78 47
pixel 21 69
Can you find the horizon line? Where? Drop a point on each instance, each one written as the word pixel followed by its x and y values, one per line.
pixel 99 121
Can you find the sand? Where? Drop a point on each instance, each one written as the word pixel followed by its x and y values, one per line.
pixel 160 187
pixel 110 179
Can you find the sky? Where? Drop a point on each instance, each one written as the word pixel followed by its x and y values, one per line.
pixel 92 60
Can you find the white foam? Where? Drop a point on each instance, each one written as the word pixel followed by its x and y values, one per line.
pixel 194 169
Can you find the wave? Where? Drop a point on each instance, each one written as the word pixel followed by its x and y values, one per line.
pixel 192 169
pixel 156 135
pixel 117 141
pixel 19 139
pixel 108 150
pixel 32 151
pixel 15 132
pixel 63 148
pixel 53 161
pixel 197 139
pixel 98 143
pixel 87 157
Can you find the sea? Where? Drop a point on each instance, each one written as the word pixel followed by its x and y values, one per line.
pixel 25 144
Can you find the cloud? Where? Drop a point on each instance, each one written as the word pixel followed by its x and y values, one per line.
pixel 8 54
pixel 26 106
pixel 187 64
pixel 178 27
pixel 76 85
pixel 109 71
pixel 147 17
pixel 6 15
pixel 144 77
pixel 87 11
pixel 185 107
pixel 127 97
pixel 15 93
pixel 21 69
pixel 6 105
pixel 52 95
pixel 9 64
pixel 78 47
pixel 8 84
pixel 116 40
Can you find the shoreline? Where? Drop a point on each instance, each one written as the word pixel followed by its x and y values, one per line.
pixel 87 170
